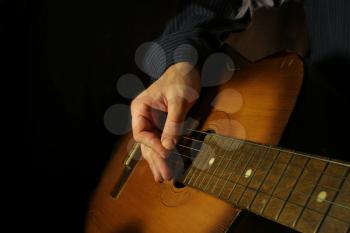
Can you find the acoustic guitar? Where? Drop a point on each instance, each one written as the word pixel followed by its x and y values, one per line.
pixel 230 175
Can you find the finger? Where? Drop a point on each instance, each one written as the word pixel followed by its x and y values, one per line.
pixel 158 165
pixel 144 130
pixel 152 141
pixel 146 155
pixel 177 110
pixel 161 166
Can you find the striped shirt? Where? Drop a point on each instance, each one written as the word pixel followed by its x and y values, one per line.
pixel 202 26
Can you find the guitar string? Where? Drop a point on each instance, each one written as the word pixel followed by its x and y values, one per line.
pixel 272 194
pixel 240 173
pixel 308 199
pixel 275 148
pixel 230 169
pixel 231 158
pixel 221 160
pixel 293 188
pixel 213 167
pixel 259 165
pixel 203 163
pixel 305 183
pixel 199 164
pixel 321 173
pixel 328 208
pixel 305 194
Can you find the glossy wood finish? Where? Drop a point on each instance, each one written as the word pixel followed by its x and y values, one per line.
pixel 304 192
pixel 255 105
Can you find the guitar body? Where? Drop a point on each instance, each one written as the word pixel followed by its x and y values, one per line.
pixel 254 105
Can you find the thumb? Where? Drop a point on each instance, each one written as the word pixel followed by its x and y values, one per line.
pixel 177 111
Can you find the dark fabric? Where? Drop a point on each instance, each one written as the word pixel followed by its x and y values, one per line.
pixel 329 29
pixel 320 121
pixel 204 24
pixel 201 24
pixel 73 53
pixel 273 30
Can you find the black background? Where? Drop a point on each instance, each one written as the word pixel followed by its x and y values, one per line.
pixel 69 55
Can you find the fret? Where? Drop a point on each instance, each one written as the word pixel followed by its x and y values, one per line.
pixel 189 174
pixel 238 189
pixel 291 176
pixel 290 214
pixel 227 168
pixel 200 164
pixel 208 161
pixel 197 165
pixel 260 198
pixel 325 185
pixel 218 166
pixel 275 173
pixel 212 162
pixel 341 211
pixel 259 202
pixel 247 197
pixel 274 205
pixel 337 170
pixel 230 157
pixel 306 193
pixel 271 180
pixel 234 151
pixel 262 171
pixel 307 182
pixel 309 220
pixel 227 186
pixel 191 170
pixel 333 225
pixel 289 211
pixel 219 185
pixel 252 165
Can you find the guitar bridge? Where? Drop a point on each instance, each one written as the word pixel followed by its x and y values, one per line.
pixel 130 162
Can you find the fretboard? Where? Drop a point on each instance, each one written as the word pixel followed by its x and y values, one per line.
pixel 304 192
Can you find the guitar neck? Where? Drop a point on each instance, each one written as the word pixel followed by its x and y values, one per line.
pixel 304 192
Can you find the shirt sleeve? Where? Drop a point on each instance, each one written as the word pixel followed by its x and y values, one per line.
pixel 196 32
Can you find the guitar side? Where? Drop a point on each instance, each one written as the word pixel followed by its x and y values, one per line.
pixel 254 105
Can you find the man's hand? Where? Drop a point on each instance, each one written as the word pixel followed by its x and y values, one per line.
pixel 175 93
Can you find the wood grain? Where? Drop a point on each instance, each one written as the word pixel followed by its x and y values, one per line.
pixel 266 91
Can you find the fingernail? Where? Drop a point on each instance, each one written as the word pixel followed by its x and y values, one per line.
pixel 168 144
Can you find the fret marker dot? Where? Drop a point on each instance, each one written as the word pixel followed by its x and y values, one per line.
pixel 248 173
pixel 321 197
pixel 211 161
